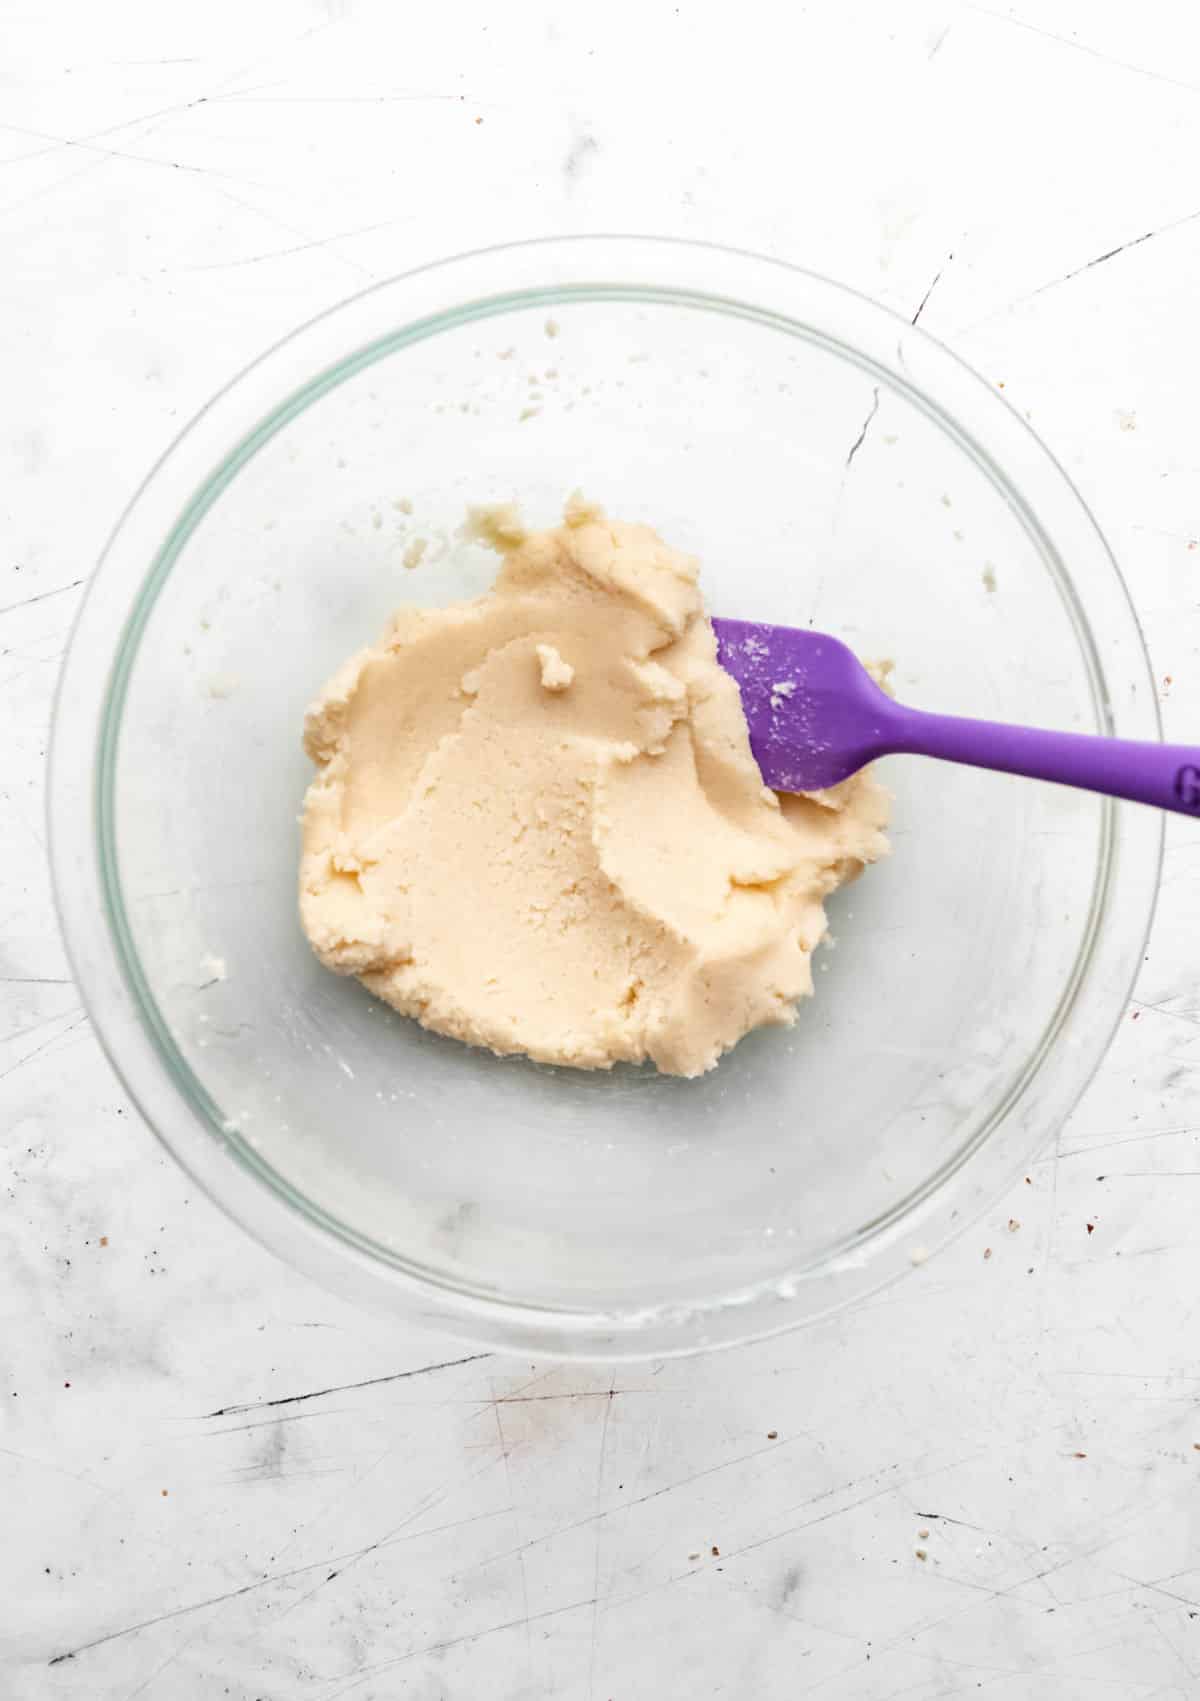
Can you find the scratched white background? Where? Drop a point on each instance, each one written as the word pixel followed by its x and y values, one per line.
pixel 214 1480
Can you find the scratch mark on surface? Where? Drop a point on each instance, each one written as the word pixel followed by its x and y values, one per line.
pixel 959 1523
pixel 775 1448
pixel 577 1394
pixel 337 1559
pixel 1082 47
pixel 780 1610
pixel 46 189
pixel 1129 1140
pixel 45 1045
pixel 365 1672
pixel 940 42
pixel 343 1387
pixel 512 1501
pixel 866 424
pixel 522 1388
pixel 1121 248
pixel 34 1027
pixel 343 1562
pixel 176 1612
pixel 1044 1323
pixel 1189 539
pixel 1180 1246
pixel 1151 1174
pixel 249 97
pixel 1088 265
pixel 45 1465
pixel 1174 1651
pixel 152 121
pixel 810 1523
pixel 429 1503
pixel 596 1554
pixel 305 238
pixel 59 144
pixel 850 1506
pixel 936 279
pixel 1158 1589
pixel 42 596
pixel 82 144
pixel 1079 1556
pixel 177 1652
pixel 1161 1010
pixel 1132 1375
pixel 304 247
pixel 288 1417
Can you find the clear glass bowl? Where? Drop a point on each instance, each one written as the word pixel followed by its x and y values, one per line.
pixel 830 465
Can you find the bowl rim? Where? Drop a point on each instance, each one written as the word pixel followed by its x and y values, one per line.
pixel 190 476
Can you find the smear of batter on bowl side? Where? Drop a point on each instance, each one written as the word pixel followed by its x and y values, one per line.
pixel 537 825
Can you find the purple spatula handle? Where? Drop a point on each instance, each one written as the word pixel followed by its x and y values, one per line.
pixel 1164 775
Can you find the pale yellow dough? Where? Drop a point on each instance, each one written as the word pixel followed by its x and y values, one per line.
pixel 537 825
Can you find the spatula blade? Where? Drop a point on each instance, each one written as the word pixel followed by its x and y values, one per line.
pixel 815 714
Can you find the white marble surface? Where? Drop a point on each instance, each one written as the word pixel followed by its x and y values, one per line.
pixel 216 1481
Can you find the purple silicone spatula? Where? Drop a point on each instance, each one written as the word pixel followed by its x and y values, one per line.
pixel 816 716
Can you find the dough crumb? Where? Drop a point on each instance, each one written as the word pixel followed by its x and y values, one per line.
pixel 415 553
pixel 989 576
pixel 551 327
pixel 557 674
pixel 579 511
pixel 221 684
pixel 403 505
pixel 212 968
pixel 496 525
pixel 881 669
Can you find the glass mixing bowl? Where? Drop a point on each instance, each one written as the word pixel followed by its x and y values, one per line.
pixel 830 465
